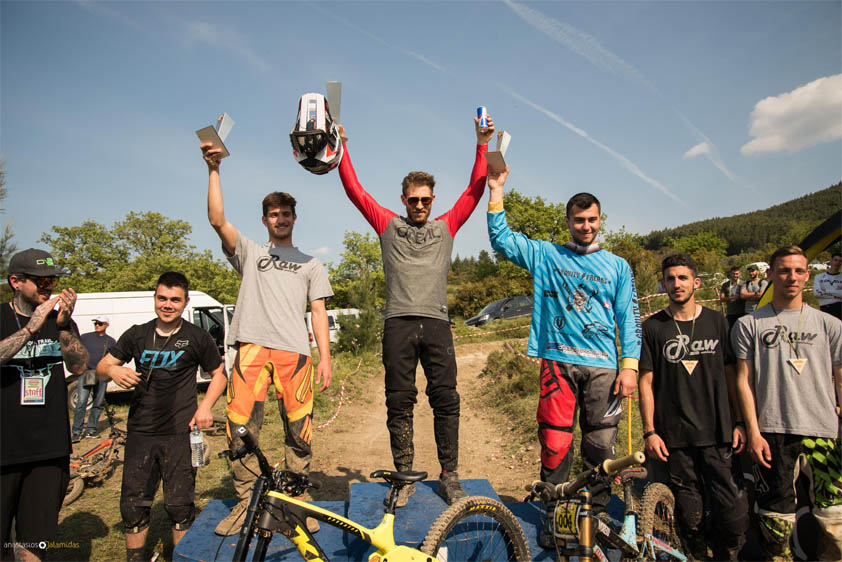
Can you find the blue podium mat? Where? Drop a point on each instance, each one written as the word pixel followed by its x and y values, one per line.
pixel 411 521
pixel 200 544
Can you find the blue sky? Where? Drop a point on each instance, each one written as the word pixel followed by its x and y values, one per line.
pixel 668 111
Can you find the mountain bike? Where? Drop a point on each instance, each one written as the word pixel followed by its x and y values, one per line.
pixel 648 531
pixel 97 464
pixel 473 528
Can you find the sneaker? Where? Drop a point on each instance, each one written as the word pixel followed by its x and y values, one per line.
pixel 232 524
pixel 92 433
pixel 403 496
pixel 449 487
pixel 75 438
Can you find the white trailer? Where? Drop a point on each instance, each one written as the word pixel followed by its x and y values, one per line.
pixel 125 309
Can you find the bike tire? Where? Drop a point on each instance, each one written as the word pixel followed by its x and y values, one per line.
pixel 657 516
pixel 74 489
pixel 476 528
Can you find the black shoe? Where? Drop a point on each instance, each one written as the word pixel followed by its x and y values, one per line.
pixel 403 496
pixel 450 489
pixel 93 434
pixel 75 438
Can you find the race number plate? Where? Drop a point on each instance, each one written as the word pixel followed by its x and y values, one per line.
pixel 566 520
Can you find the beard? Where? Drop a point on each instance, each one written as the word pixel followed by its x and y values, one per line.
pixel 684 301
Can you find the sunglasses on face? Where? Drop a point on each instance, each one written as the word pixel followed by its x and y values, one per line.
pixel 414 200
pixel 44 283
pixel 97 323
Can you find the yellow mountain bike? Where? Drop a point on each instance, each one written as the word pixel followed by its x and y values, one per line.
pixel 473 528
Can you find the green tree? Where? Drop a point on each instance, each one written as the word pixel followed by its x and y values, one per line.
pixel 536 218
pixel 361 259
pixel 131 255
pixel 706 247
pixel 645 264
pixel 7 247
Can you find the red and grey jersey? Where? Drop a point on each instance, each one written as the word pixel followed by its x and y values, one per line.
pixel 416 258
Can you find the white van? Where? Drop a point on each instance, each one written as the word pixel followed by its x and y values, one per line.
pixel 125 309
pixel 332 322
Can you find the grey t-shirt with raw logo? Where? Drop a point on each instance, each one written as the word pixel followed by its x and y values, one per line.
pixel 788 401
pixel 278 281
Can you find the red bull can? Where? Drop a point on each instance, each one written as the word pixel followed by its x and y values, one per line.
pixel 482 115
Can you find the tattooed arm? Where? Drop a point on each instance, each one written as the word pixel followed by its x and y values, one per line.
pixel 74 353
pixel 12 344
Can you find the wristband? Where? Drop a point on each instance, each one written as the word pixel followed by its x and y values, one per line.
pixel 649 434
pixel 31 333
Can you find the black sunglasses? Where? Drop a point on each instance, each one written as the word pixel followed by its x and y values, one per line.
pixel 414 200
pixel 43 282
pixel 98 323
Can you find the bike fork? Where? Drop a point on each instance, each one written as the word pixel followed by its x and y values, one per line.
pixel 586 529
pixel 247 531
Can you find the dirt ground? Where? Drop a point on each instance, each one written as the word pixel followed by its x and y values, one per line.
pixel 357 442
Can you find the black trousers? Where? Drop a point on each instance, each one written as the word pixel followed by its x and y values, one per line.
pixel 701 480
pixel 406 341
pixel 834 309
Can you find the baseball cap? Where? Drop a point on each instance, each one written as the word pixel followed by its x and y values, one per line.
pixel 35 262
pixel 101 319
pixel 752 267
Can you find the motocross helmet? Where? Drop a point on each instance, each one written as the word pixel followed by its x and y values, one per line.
pixel 315 136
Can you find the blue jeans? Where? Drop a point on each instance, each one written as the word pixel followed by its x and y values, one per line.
pixel 82 394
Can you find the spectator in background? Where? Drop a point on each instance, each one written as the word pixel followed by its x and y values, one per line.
pixel 753 289
pixel 729 293
pixel 828 287
pixel 97 343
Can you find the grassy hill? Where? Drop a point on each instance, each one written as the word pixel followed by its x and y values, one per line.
pixel 748 232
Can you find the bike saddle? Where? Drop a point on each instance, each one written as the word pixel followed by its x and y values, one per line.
pixel 393 477
pixel 635 473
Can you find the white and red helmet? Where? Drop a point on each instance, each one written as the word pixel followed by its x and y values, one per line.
pixel 315 136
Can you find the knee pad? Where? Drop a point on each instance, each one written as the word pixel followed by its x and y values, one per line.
pixel 401 400
pixel 598 444
pixel 181 515
pixel 135 518
pixel 444 401
pixel 555 445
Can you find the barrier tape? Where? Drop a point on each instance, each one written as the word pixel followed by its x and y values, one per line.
pixel 494 332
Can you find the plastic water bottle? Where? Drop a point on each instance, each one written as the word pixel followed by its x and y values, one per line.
pixel 197 447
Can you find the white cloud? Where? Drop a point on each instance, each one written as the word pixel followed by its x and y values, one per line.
pixel 227 39
pixel 623 161
pixel 808 115
pixel 323 251
pixel 698 150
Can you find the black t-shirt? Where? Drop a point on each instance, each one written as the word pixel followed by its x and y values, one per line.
pixel 690 409
pixel 33 432
pixel 164 400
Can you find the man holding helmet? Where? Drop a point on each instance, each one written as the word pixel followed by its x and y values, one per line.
pixel 416 260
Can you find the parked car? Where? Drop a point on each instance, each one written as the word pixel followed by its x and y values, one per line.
pixel 508 308
pixel 332 323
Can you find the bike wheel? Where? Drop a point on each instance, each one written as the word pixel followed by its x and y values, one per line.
pixel 657 517
pixel 74 489
pixel 476 528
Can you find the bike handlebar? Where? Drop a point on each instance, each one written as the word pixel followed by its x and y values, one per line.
pixel 607 468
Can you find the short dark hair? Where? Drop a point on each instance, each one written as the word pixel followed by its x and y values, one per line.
pixel 174 279
pixel 734 268
pixel 417 178
pixel 677 260
pixel 834 254
pixel 583 201
pixel 278 199
pixel 784 251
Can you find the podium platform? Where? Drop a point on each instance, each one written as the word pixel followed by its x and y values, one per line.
pixel 365 507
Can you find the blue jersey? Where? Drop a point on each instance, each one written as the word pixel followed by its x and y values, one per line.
pixel 581 302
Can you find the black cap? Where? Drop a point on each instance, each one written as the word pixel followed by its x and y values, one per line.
pixel 37 263
pixel 752 266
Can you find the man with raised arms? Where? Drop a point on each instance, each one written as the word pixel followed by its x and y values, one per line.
pixel 166 352
pixel 416 260
pixel 686 392
pixel 35 441
pixel 789 384
pixel 269 335
pixel 583 295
